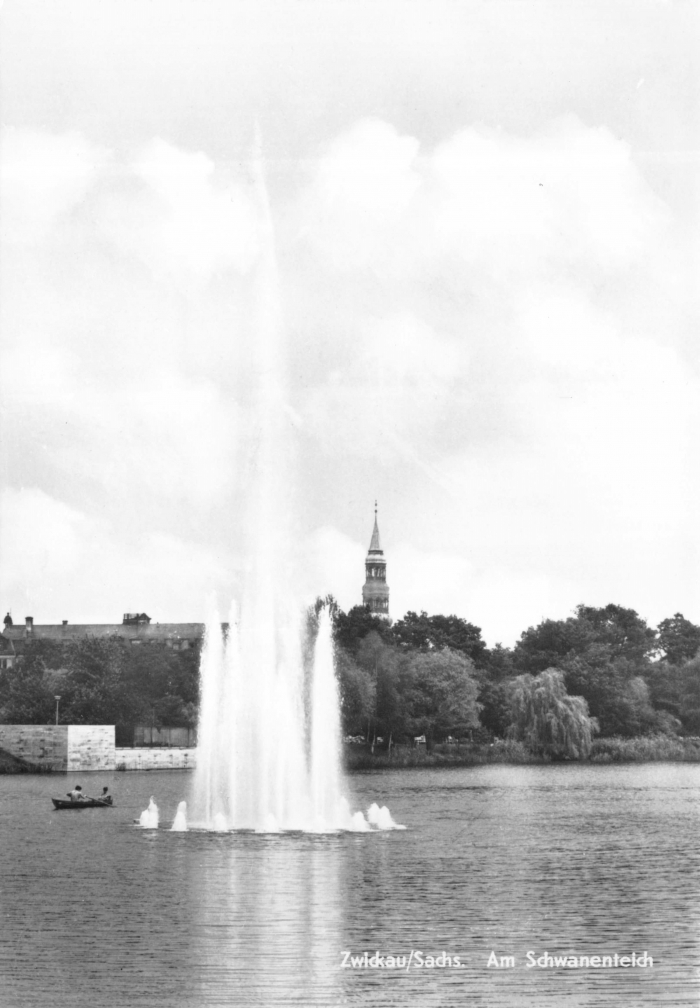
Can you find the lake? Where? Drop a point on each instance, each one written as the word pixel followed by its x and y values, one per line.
pixel 561 860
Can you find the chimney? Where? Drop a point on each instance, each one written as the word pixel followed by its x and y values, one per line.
pixel 65 622
pixel 29 623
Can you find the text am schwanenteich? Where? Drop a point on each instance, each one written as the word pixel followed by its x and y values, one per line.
pixel 546 961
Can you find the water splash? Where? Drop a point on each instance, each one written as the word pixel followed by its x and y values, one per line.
pixel 149 817
pixel 180 821
pixel 380 817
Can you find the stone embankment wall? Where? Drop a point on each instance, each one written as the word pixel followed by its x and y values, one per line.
pixel 90 747
pixel 39 745
pixel 155 759
pixel 79 748
pixel 61 747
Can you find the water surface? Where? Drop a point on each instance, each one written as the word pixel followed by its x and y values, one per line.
pixel 564 859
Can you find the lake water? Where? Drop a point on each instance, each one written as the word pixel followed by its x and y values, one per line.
pixel 569 860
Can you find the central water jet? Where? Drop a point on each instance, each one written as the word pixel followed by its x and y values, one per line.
pixel 268 756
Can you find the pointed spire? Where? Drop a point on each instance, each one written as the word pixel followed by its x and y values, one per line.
pixel 374 546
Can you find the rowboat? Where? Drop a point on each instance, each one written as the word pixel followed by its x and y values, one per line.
pixel 60 803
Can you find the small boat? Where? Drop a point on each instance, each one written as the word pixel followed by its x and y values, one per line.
pixel 60 803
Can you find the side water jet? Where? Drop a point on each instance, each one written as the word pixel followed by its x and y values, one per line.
pixel 180 821
pixel 149 817
pixel 269 738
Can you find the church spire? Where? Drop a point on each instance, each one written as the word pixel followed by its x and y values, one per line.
pixel 374 546
pixel 375 592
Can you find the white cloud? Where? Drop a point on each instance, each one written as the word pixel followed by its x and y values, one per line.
pixel 43 177
pixel 183 224
pixel 362 190
pixel 57 563
pixel 332 563
pixel 393 392
pixel 496 346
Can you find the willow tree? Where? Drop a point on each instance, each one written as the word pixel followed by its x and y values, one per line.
pixel 547 719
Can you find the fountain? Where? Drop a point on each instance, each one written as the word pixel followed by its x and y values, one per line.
pixel 268 756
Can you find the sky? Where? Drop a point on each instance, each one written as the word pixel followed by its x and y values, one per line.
pixel 486 229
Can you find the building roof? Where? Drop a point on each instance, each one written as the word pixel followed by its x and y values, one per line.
pixel 375 546
pixel 76 631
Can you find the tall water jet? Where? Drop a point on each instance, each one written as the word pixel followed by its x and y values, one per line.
pixel 325 768
pixel 266 759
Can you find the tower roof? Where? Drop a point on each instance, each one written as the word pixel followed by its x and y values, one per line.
pixel 375 546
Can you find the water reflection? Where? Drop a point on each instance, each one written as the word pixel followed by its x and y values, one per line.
pixel 269 909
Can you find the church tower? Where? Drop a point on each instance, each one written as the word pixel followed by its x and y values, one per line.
pixel 375 592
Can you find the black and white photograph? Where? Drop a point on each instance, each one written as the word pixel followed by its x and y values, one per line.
pixel 349 481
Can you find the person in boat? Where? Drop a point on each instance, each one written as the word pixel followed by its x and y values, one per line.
pixel 105 796
pixel 76 795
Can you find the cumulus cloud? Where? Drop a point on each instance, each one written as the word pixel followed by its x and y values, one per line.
pixel 394 389
pixel 58 562
pixel 363 187
pixel 42 177
pixel 500 203
pixel 182 222
pixel 333 563
pixel 490 329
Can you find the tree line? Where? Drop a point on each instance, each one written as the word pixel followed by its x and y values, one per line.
pixel 601 670
pixel 102 681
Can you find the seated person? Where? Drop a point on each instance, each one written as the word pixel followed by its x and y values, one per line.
pixel 105 796
pixel 76 794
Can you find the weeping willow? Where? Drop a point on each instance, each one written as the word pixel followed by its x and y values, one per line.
pixel 547 719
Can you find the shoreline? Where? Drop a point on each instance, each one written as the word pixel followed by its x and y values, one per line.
pixel 359 757
pixel 641 749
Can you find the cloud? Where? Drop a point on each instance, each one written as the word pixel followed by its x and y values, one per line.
pixel 58 562
pixel 44 177
pixel 492 331
pixel 363 187
pixel 502 204
pixel 393 391
pixel 182 222
pixel 333 563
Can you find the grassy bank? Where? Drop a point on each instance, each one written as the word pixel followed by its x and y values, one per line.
pixel 648 748
pixel 645 749
pixel 360 757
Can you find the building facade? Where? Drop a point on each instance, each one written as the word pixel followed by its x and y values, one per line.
pixel 375 591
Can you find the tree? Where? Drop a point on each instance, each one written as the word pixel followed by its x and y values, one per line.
pixel 598 635
pixel 547 719
pixel 622 630
pixel 675 689
pixel 384 663
pixel 498 663
pixel 418 630
pixel 350 628
pixel 679 639
pixel 495 708
pixel 357 694
pixel 440 694
pixel 101 681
